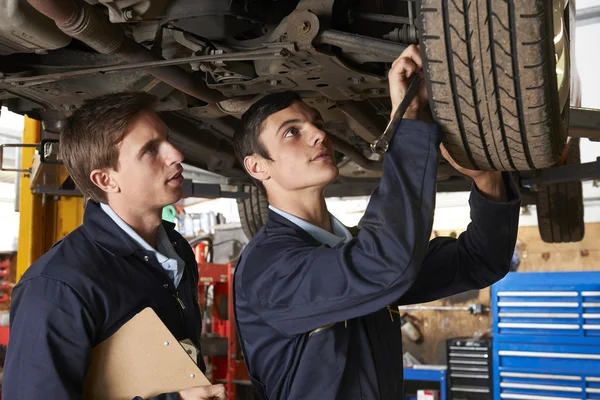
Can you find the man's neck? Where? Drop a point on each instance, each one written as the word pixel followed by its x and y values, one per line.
pixel 144 222
pixel 310 207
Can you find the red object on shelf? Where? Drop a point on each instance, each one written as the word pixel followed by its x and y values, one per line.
pixel 4 333
pixel 230 369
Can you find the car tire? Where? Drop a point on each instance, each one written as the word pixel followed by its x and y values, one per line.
pixel 491 74
pixel 560 207
pixel 253 211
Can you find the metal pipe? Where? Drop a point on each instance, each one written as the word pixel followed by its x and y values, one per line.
pixel 356 42
pixel 390 19
pixel 352 153
pixel 81 21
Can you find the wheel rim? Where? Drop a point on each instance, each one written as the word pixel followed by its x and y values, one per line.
pixel 560 9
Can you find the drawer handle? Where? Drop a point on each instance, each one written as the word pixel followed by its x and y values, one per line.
pixel 541 387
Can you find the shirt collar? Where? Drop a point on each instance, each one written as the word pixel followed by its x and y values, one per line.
pixel 161 233
pixel 340 234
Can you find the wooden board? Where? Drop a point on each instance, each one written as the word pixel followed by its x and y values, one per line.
pixel 141 359
pixel 538 256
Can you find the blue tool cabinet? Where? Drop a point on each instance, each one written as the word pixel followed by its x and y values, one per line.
pixel 546 343
pixel 433 375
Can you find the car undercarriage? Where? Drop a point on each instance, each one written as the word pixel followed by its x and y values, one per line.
pixel 209 61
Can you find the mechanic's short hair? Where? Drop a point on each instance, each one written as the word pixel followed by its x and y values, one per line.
pixel 91 136
pixel 246 140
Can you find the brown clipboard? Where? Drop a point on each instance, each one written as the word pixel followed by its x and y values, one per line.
pixel 142 359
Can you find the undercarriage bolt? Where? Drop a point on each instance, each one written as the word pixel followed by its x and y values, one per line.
pixel 357 80
pixel 375 91
pixel 274 82
pixel 305 26
pixel 128 15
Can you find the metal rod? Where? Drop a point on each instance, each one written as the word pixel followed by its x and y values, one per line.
pixel 566 173
pixel 238 56
pixel 474 308
pixel 345 40
pixel 391 19
pixel 433 308
pixel 587 16
pixel 2 146
pixel 17 183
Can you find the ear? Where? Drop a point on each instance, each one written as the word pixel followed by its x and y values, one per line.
pixel 256 166
pixel 104 180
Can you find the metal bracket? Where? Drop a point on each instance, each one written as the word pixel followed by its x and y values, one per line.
pixel 49 151
pixel 2 146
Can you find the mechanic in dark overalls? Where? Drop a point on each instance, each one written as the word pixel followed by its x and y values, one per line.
pixel 316 306
pixel 123 258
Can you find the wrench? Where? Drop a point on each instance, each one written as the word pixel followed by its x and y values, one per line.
pixel 382 143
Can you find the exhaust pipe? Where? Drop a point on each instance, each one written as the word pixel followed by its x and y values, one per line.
pixel 81 21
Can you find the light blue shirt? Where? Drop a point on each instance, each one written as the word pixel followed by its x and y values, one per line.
pixel 166 255
pixel 340 234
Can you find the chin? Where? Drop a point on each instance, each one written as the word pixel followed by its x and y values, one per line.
pixel 174 196
pixel 329 177
pixel 334 173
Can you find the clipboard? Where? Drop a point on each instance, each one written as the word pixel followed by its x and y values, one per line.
pixel 142 359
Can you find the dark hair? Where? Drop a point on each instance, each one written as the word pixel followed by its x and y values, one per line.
pixel 90 138
pixel 246 140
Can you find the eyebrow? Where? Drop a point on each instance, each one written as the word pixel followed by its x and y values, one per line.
pixel 288 123
pixel 147 145
pixel 152 142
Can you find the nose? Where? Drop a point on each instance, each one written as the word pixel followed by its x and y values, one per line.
pixel 317 135
pixel 173 156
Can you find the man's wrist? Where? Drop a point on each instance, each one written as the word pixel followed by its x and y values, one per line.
pixel 491 185
pixel 408 114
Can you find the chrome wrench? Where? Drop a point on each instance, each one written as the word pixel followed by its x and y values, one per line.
pixel 382 143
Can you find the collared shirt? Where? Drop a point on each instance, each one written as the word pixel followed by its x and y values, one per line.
pixel 340 234
pixel 166 255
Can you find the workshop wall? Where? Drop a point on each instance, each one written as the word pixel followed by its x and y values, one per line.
pixel 534 256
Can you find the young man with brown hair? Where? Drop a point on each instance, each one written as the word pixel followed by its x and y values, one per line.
pixel 122 259
pixel 315 306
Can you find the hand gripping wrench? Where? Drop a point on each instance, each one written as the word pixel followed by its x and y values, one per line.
pixel 382 143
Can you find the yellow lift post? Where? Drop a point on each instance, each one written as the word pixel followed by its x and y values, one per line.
pixel 44 218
